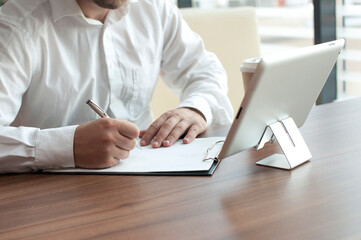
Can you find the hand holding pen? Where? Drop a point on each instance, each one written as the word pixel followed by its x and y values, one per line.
pixel 101 112
pixel 103 142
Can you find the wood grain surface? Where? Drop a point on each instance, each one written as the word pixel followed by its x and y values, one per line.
pixel 318 200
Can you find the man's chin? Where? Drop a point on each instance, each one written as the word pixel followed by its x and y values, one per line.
pixel 110 4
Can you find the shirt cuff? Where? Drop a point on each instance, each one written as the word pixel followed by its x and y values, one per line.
pixel 54 148
pixel 201 105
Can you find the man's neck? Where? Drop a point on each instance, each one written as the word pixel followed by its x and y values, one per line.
pixel 93 11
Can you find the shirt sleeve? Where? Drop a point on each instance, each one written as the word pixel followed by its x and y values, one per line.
pixel 25 149
pixel 194 74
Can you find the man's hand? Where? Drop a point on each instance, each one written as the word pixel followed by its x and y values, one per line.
pixel 169 127
pixel 103 142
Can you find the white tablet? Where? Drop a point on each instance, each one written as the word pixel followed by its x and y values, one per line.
pixel 284 85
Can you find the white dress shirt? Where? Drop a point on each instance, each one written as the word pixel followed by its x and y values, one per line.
pixel 53 58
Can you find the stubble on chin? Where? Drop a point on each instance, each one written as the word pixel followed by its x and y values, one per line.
pixel 110 4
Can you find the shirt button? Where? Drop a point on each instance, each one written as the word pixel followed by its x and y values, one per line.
pixel 112 65
pixel 113 100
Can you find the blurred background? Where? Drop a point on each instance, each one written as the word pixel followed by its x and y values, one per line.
pixel 288 24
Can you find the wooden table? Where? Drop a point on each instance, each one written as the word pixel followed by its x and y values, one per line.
pixel 318 200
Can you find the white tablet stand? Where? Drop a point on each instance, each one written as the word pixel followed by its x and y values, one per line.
pixel 288 136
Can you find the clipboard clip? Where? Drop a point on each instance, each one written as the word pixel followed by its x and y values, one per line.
pixel 215 158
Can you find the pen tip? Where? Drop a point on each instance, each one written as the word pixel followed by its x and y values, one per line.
pixel 87 101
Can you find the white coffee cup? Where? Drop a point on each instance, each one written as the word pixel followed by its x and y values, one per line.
pixel 248 68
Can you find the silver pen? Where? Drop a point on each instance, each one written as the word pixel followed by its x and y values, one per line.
pixel 97 109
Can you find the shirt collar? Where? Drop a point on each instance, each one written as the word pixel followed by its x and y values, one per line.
pixel 62 8
pixel 117 14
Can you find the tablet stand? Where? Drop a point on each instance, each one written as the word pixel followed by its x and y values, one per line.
pixel 295 150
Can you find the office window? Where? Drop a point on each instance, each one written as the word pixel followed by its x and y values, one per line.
pixel 283 24
pixel 287 24
pixel 349 28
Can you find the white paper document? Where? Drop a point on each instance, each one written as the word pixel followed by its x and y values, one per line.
pixel 179 158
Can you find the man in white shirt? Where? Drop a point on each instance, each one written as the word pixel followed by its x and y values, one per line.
pixel 54 55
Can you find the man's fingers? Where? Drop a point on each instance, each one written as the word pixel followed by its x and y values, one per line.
pixel 192 134
pixel 149 134
pixel 125 128
pixel 121 140
pixel 126 143
pixel 176 133
pixel 141 133
pixel 153 130
pixel 121 154
pixel 167 129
